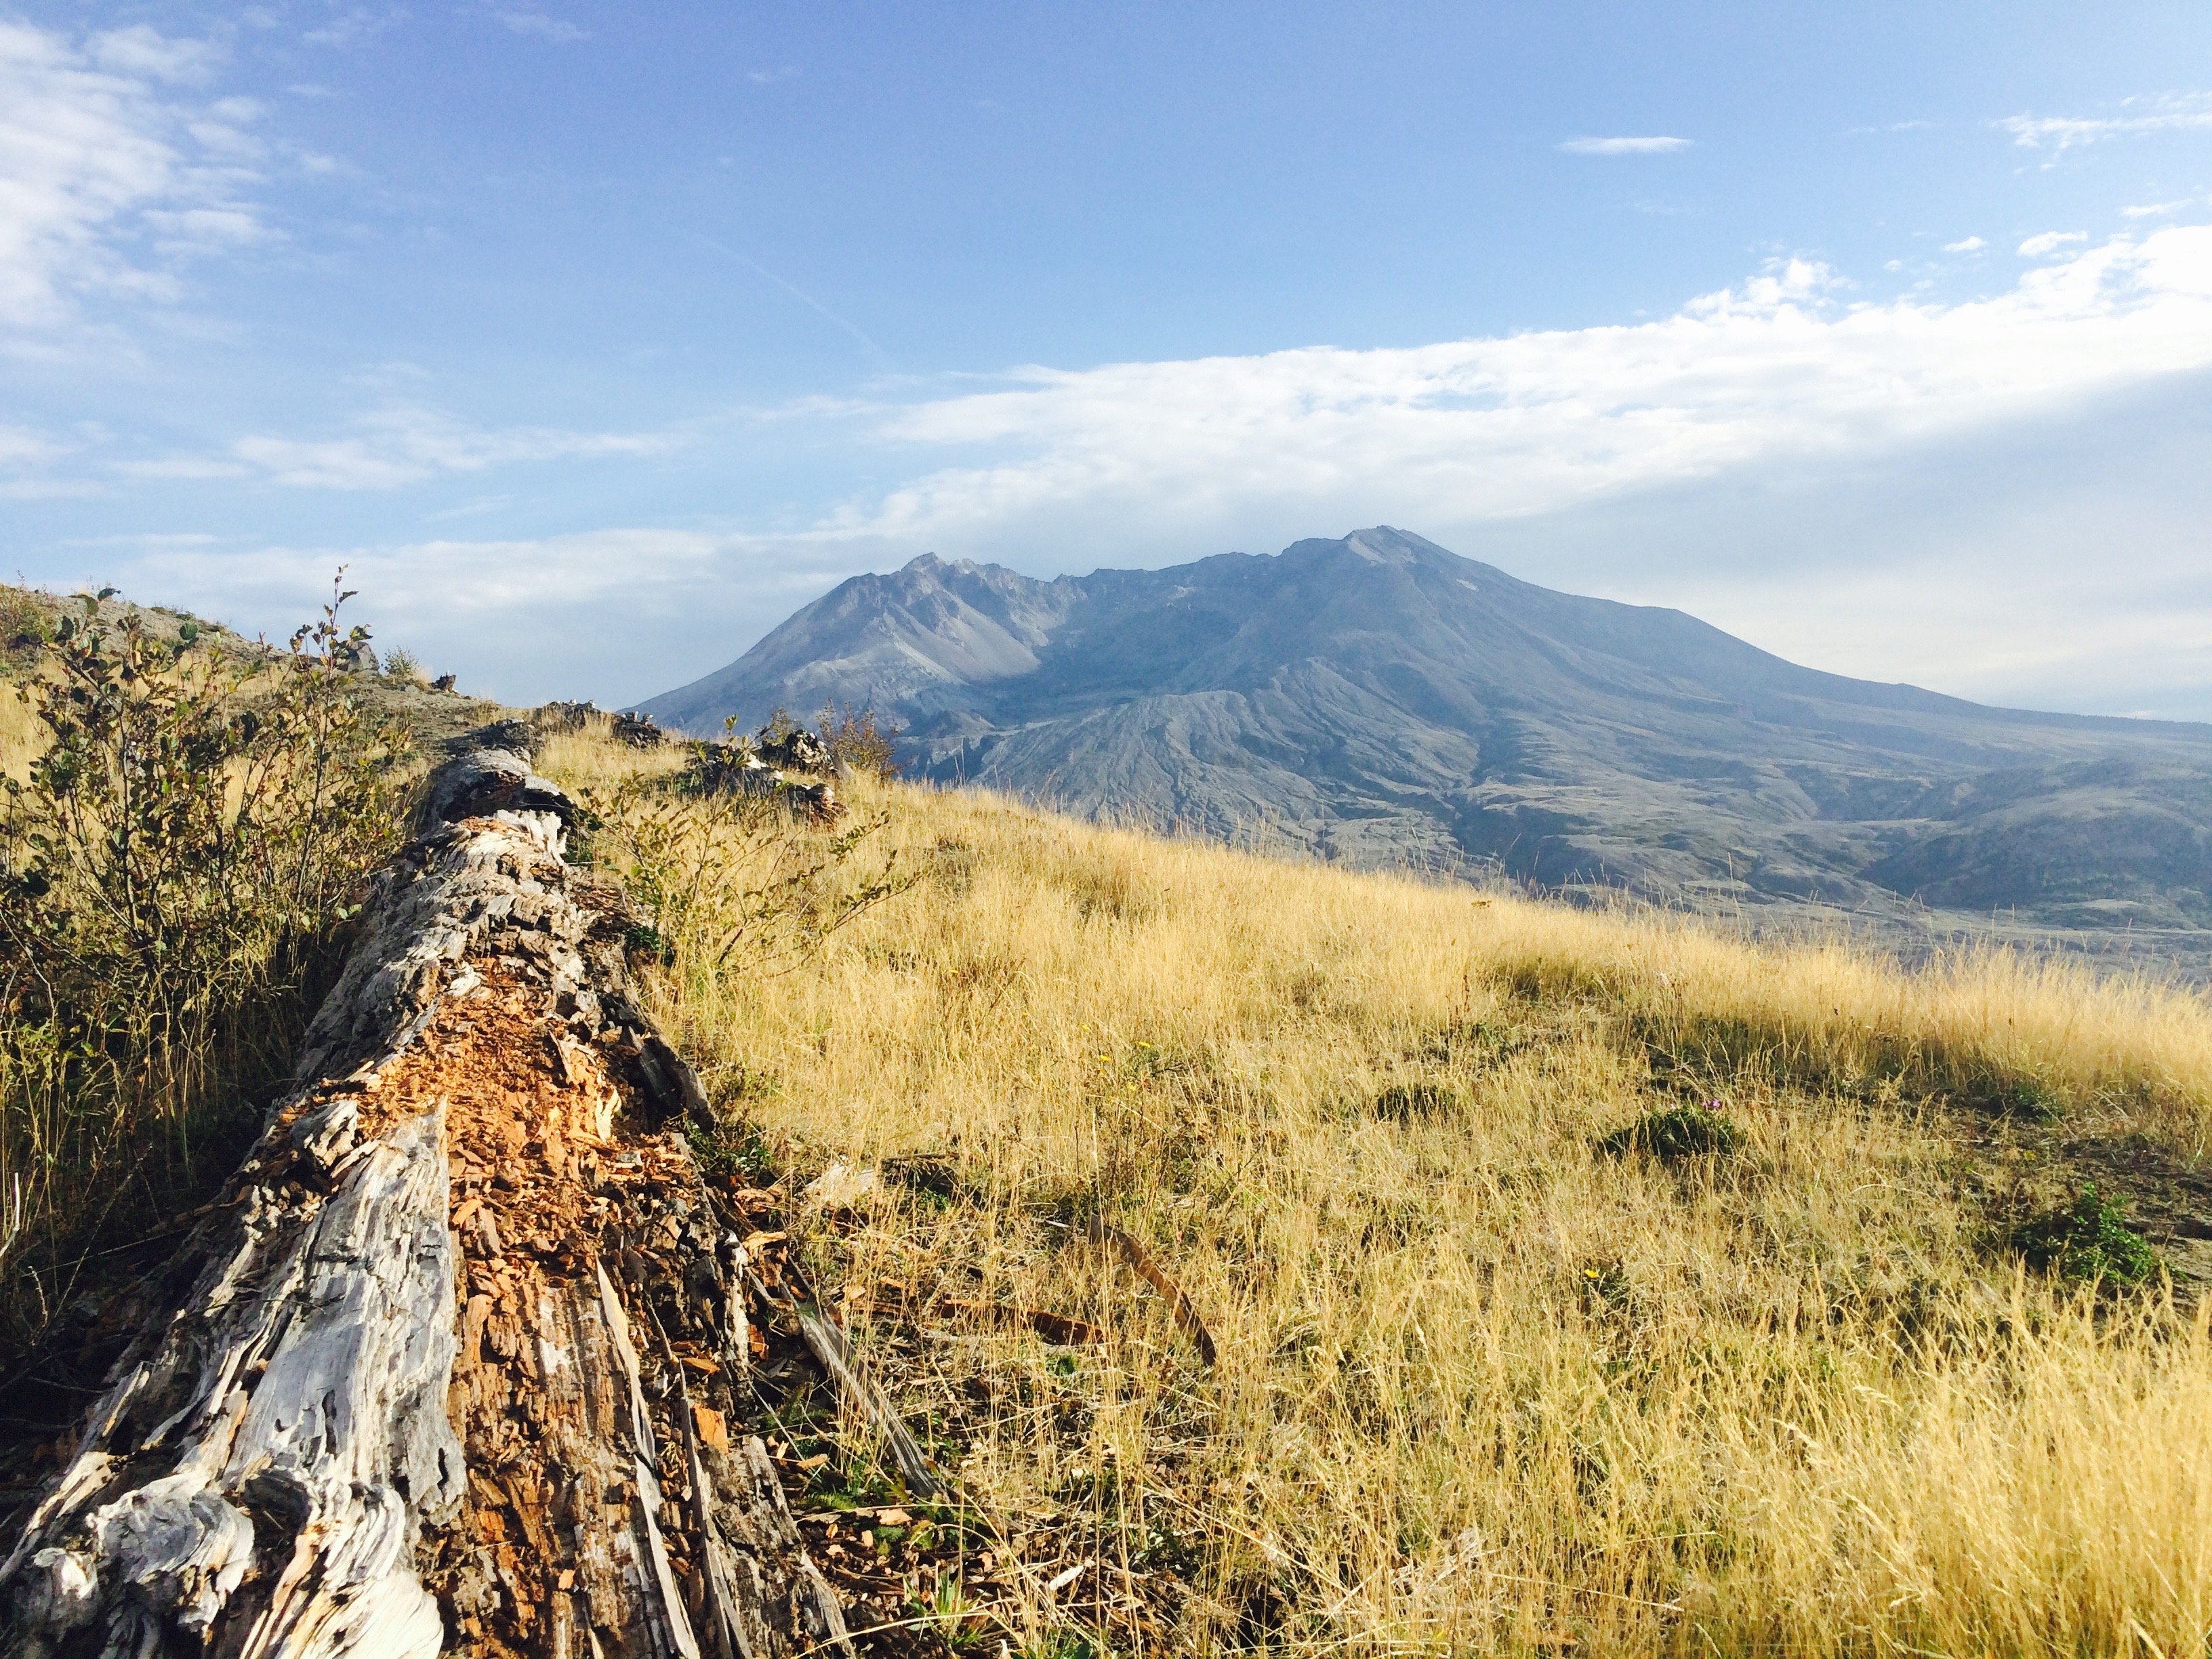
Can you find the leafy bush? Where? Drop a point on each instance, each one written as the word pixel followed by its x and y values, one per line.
pixel 2089 1238
pixel 173 873
pixel 1676 1133
pixel 860 743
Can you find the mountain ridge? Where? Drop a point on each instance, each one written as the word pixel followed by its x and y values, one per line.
pixel 1378 698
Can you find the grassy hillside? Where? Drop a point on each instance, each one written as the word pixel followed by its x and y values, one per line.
pixel 1578 1281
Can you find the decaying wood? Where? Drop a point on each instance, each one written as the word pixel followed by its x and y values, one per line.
pixel 448 1367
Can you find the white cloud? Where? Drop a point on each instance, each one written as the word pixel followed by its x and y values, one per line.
pixel 20 446
pixel 1966 245
pixel 2151 209
pixel 397 445
pixel 1468 431
pixel 2139 117
pixel 33 466
pixel 1651 146
pixel 100 168
pixel 545 27
pixel 466 581
pixel 2049 242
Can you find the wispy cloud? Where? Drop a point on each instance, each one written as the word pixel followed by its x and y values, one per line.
pixel 142 52
pixel 1966 245
pixel 110 177
pixel 1648 146
pixel 28 463
pixel 2187 111
pixel 396 444
pixel 866 341
pixel 354 24
pixel 2151 209
pixel 633 611
pixel 538 24
pixel 768 77
pixel 2049 242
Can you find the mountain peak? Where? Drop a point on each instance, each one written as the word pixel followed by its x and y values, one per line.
pixel 1377 697
pixel 1383 545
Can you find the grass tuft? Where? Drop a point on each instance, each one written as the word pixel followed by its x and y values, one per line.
pixel 1676 1133
pixel 1409 1101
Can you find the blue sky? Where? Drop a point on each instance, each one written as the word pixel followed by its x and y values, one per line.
pixel 596 338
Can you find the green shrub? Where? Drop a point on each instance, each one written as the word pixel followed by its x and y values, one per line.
pixel 2089 1238
pixel 2026 1097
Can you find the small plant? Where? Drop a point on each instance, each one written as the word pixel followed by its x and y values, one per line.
pixel 2088 1239
pixel 733 1149
pixel 1675 1133
pixel 402 667
pixel 859 742
pixel 959 1622
pixel 2026 1097
pixel 25 622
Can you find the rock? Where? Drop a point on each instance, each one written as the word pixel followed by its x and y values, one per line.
pixel 564 716
pixel 798 751
pixel 638 731
pixel 816 802
pixel 727 768
pixel 842 1186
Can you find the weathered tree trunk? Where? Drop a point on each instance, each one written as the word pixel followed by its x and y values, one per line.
pixel 448 1367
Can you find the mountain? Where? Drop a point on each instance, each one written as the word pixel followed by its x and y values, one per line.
pixel 1379 699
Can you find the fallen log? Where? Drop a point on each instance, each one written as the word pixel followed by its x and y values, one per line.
pixel 417 1383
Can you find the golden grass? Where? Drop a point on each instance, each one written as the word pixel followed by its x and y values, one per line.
pixel 22 739
pixel 1482 1385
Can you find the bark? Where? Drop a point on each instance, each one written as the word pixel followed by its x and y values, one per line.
pixel 448 1367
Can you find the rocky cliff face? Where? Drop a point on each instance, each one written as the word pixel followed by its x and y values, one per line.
pixel 1379 699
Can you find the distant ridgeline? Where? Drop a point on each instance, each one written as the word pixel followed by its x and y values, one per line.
pixel 1380 700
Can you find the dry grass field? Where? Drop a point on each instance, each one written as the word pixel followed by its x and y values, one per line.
pixel 1496 1373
